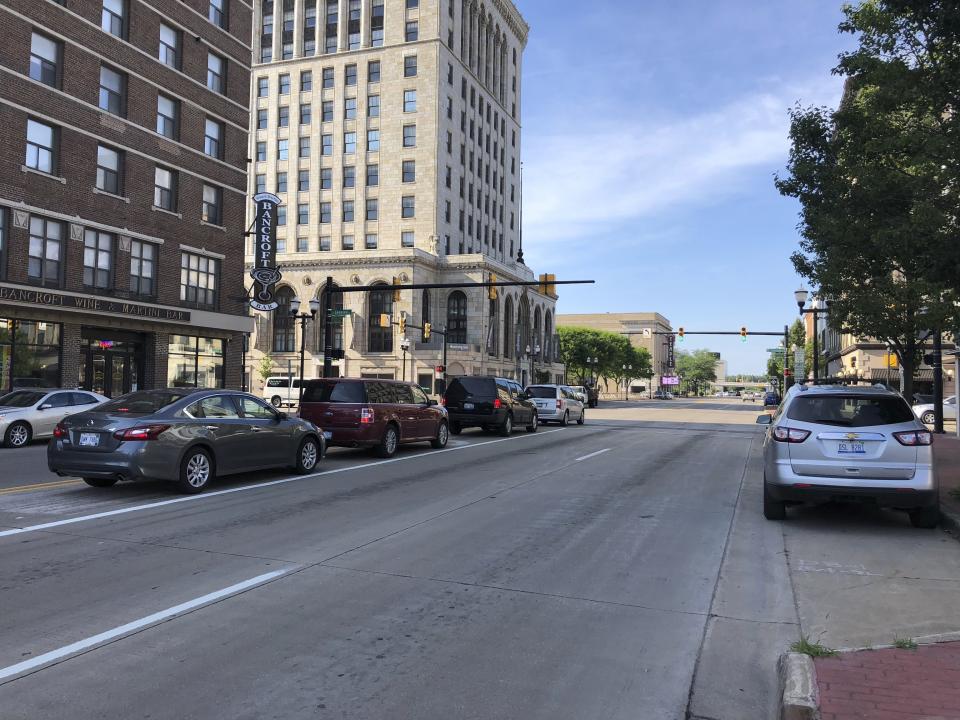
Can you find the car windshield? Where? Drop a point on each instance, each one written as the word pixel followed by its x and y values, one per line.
pixel 467 386
pixel 539 391
pixel 334 392
pixel 850 410
pixel 21 398
pixel 142 403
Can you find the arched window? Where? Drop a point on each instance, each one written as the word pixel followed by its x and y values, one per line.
pixel 321 318
pixel 425 308
pixel 284 326
pixel 457 318
pixel 548 353
pixel 380 339
pixel 508 328
pixel 493 334
pixel 537 336
pixel 523 326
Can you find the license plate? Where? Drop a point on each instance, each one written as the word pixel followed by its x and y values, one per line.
pixel 89 439
pixel 468 406
pixel 327 435
pixel 851 448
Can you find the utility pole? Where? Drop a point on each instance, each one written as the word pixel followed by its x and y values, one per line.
pixel 938 381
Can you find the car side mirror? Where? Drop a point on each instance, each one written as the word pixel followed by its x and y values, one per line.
pixel 281 416
pixel 764 420
pixel 432 402
pixel 45 406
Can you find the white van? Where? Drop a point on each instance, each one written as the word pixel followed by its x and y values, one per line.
pixel 280 391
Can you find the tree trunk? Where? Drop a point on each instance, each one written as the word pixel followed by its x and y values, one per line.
pixel 908 363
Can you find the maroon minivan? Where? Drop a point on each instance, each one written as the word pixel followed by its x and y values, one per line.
pixel 378 414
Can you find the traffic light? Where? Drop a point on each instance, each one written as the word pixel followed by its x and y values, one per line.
pixel 551 287
pixel 492 291
pixel 396 292
pixel 426 332
pixel 543 283
pixel 680 334
pixel 384 320
pixel 743 334
pixel 403 324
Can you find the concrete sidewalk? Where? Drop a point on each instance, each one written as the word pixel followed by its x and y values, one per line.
pixel 946 453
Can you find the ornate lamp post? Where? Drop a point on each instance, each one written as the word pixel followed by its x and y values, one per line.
pixel 801 296
pixel 295 312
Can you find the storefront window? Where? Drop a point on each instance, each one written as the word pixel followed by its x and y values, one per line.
pixel 195 362
pixel 29 354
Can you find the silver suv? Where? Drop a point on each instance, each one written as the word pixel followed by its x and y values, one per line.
pixel 841 443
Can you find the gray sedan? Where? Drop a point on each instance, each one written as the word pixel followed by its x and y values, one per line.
pixel 182 435
pixel 29 414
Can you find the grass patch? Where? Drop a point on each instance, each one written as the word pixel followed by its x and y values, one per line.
pixel 904 643
pixel 813 649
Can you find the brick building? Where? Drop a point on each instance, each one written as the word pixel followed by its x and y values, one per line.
pixel 122 192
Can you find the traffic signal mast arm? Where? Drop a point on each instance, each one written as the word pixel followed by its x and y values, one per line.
pixel 456 286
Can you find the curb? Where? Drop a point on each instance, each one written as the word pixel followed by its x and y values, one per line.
pixel 799 695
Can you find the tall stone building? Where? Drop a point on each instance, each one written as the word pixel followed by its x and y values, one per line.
pixel 122 193
pixel 390 130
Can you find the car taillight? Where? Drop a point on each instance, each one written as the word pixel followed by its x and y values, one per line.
pixel 497 404
pixel 914 437
pixel 60 432
pixel 790 435
pixel 366 416
pixel 142 432
pixel 443 402
pixel 560 404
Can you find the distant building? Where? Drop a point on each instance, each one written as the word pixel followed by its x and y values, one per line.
pixel 720 370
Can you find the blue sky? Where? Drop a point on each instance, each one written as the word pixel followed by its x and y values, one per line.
pixel 651 133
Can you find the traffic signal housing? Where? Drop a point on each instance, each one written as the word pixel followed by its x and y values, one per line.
pixel 680 334
pixel 396 292
pixel 427 327
pixel 384 320
pixel 492 291
pixel 403 324
pixel 743 334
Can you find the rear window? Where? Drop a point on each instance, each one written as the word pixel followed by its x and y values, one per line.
pixel 465 387
pixel 334 392
pixel 542 392
pixel 142 403
pixel 850 410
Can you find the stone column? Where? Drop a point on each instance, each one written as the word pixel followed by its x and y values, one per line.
pixel 343 22
pixel 365 10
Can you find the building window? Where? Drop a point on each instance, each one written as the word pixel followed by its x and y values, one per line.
pixel 263 87
pixel 330 41
pixel 170 44
pixel 303 244
pixel 310 28
pixel 113 19
pixel 411 31
pixel 216 73
pixel 373 71
pixel 326 110
pixel 326 178
pixel 304 149
pixel 376 24
pixel 97 259
pixel 409 171
pixel 32 350
pixel 112 90
pixel 213 138
pixel 217 13
pixel 326 144
pixel 380 339
pixel 372 208
pixel 168 115
pixel 349 143
pixel 45 256
pixel 165 189
pixel 109 170
pixel 350 75
pixel 409 100
pixel 373 175
pixel 281 182
pixel 143 260
pixel 408 206
pixel 212 205
pixel 283 116
pixel 260 183
pixel 305 113
pixel 41 147
pixel 373 140
pixel 349 108
pixel 303 213
pixel 262 120
pixel 284 84
pixel 198 279
pixel 410 66
pixel 412 4
pixel 370 241
pixel 326 213
pixel 409 135
pixel 45 57
pixel 303 181
pixel 348 211
pixel 195 362
pixel 346 242
pixel 327 78
pixel 373 106
pixel 407 239
pixel 349 176
pixel 261 151
pixel 457 318
pixel 281 220
pixel 326 244
pixel 306 81
pixel 353 25
pixel 283 149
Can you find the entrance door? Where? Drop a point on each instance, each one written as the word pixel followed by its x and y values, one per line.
pixel 108 373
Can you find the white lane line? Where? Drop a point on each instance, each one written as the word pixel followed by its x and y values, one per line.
pixel 135 625
pixel 593 454
pixel 256 486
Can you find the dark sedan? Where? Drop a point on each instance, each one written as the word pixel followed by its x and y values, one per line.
pixel 183 435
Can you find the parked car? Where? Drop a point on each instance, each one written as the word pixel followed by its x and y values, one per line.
pixel 27 415
pixel 838 443
pixel 557 403
pixel 662 395
pixel 492 403
pixel 591 396
pixel 184 435
pixel 925 411
pixel 771 399
pixel 282 391
pixel 376 414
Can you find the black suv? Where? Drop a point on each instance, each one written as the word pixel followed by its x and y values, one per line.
pixel 489 402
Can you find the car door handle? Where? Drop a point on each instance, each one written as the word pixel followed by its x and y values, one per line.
pixel 254 428
pixel 213 427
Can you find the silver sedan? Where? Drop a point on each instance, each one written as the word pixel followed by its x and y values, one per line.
pixel 183 435
pixel 26 415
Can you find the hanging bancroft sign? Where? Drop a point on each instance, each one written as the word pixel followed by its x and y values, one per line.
pixel 265 273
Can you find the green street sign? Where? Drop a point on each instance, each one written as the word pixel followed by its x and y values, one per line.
pixel 341 313
pixel 776 351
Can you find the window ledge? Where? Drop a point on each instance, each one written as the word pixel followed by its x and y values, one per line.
pixel 41 173
pixel 222 228
pixel 98 191
pixel 167 212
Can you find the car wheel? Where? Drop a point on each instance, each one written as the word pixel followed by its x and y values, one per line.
pixel 308 455
pixel 534 424
pixel 565 420
pixel 927 517
pixel 456 428
pixel 196 471
pixel 388 445
pixel 506 430
pixel 443 435
pixel 928 418
pixel 100 482
pixel 583 417
pixel 18 435
pixel 773 509
pixel 276 401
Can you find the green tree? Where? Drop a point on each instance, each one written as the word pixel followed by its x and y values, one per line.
pixel 265 368
pixel 698 369
pixel 611 350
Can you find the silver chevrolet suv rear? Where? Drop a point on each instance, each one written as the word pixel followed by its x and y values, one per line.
pixel 848 443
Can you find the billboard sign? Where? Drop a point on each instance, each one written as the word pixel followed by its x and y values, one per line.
pixel 669 380
pixel 265 273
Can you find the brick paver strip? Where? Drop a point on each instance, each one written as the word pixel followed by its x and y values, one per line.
pixel 891 684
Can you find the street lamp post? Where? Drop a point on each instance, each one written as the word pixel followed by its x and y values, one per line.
pixel 295 312
pixel 801 296
pixel 626 381
pixel 404 345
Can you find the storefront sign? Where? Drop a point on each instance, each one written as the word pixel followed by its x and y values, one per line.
pixel 45 298
pixel 671 357
pixel 265 273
